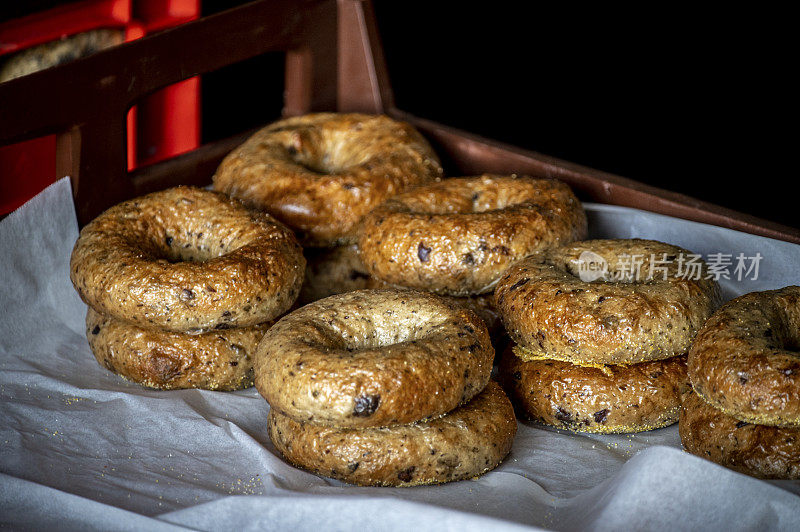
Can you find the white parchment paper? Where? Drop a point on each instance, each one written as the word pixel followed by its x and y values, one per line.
pixel 83 449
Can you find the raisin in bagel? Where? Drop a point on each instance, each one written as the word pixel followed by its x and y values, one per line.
pixel 757 450
pixel 611 318
pixel 321 173
pixel 331 271
pixel 373 358
pixel 457 236
pixel 612 399
pixel 187 260
pixel 462 444
pixel 745 360
pixel 218 360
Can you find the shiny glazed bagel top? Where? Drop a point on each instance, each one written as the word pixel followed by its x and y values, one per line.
pixel 457 236
pixel 321 173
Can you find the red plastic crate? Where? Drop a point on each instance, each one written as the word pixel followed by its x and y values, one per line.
pixel 162 125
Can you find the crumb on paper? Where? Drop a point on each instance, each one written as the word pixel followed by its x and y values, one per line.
pixel 251 486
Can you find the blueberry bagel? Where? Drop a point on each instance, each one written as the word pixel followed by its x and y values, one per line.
pixel 321 173
pixel 373 358
pixel 462 444
pixel 610 399
pixel 218 360
pixel 583 303
pixel 757 450
pixel 457 236
pixel 745 360
pixel 187 260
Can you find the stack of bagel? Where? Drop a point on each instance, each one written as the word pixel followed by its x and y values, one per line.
pixel 384 387
pixel 602 348
pixel 743 410
pixel 181 285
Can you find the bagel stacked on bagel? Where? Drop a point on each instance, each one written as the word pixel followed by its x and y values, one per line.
pixel 456 237
pixel 602 328
pixel 181 285
pixel 320 174
pixel 384 387
pixel 743 410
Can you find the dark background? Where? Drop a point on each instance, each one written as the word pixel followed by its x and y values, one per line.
pixel 699 101
pixel 692 101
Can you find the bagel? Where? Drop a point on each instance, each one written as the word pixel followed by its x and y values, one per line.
pixel 373 358
pixel 59 51
pixel 331 271
pixel 462 444
pixel 745 359
pixel 757 450
pixel 457 236
pixel 187 260
pixel 218 360
pixel 551 313
pixel 614 399
pixel 321 173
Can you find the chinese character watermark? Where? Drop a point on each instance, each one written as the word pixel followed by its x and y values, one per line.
pixel 591 266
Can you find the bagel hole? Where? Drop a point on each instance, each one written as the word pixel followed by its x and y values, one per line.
pixel 381 334
pixel 310 164
pixel 328 157
pixel 476 199
pixel 496 194
pixel 497 199
pixel 192 247
pixel 376 341
pixel 187 255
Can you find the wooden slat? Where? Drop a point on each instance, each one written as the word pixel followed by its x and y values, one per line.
pixel 363 77
pixel 311 69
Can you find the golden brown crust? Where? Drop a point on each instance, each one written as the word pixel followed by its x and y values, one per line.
pixel 373 358
pixel 186 259
pixel 457 236
pixel 321 173
pixel 615 399
pixel 219 360
pixel 745 359
pixel 465 443
pixel 552 313
pixel 757 450
pixel 331 271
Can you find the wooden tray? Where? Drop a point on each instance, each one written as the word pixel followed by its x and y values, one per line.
pixel 334 61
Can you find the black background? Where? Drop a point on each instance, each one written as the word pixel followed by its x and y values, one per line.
pixel 692 101
pixel 699 101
